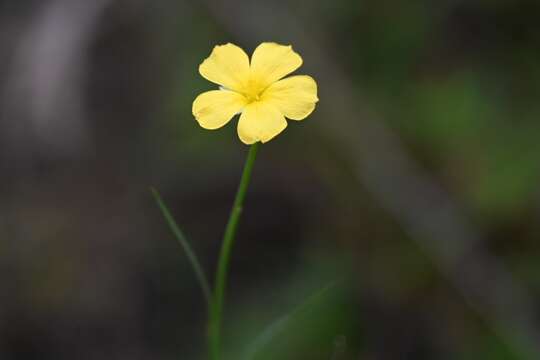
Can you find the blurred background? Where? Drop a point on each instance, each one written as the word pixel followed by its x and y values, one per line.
pixel 410 196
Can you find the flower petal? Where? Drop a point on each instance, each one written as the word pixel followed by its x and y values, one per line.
pixel 215 108
pixel 260 121
pixel 294 96
pixel 270 62
pixel 227 65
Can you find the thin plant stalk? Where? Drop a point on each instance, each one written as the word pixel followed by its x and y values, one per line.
pixel 216 311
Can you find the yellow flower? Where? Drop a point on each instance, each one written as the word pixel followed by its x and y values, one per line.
pixel 255 90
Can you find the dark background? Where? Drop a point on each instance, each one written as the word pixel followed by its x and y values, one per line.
pixel 412 189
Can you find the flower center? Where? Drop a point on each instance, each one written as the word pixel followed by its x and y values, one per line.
pixel 253 97
pixel 253 90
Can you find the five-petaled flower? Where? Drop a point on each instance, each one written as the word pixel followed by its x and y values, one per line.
pixel 256 90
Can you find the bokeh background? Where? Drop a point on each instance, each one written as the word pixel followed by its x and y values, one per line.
pixel 410 196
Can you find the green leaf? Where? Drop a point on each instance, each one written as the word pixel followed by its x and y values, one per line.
pixel 282 323
pixel 179 235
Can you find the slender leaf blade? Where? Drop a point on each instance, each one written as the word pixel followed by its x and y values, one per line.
pixel 281 324
pixel 180 237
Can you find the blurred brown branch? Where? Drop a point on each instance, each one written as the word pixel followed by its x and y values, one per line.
pixel 44 97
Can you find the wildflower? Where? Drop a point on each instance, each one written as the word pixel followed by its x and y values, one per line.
pixel 256 90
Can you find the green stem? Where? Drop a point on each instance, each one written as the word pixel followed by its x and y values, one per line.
pixel 216 310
